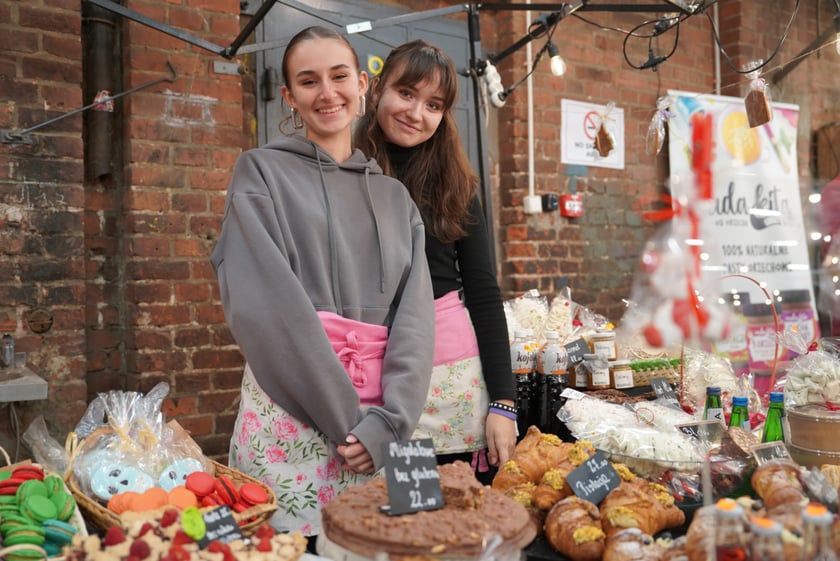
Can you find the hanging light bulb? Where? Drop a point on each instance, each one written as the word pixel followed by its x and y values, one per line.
pixel 558 65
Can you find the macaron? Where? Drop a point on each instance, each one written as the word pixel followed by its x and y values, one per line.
pixel 31 534
pixel 253 494
pixel 150 499
pixel 226 489
pixel 65 504
pixel 182 497
pixel 31 488
pixel 53 483
pixel 58 531
pixel 201 483
pixel 121 502
pixel 30 471
pixel 39 508
pixel 12 520
pixel 34 553
pixel 10 486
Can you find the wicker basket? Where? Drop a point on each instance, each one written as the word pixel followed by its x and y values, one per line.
pixel 102 518
pixel 646 370
pixel 76 519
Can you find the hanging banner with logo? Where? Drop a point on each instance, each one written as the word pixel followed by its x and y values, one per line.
pixel 756 218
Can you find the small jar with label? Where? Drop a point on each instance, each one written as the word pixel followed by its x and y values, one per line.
pixel 621 375
pixel 578 376
pixel 603 343
pixel 597 371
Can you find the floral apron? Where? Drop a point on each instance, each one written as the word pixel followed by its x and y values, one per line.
pixel 296 460
pixel 456 407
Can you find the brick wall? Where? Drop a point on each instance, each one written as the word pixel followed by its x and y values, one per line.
pixel 117 260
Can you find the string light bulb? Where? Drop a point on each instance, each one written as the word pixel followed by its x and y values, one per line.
pixel 558 65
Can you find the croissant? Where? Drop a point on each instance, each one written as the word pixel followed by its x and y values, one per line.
pixel 573 528
pixel 778 482
pixel 552 488
pixel 524 495
pixel 536 453
pixel 640 504
pixel 631 544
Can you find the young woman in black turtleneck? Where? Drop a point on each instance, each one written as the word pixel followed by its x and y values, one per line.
pixel 410 130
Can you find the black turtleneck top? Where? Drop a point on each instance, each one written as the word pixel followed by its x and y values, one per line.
pixel 465 265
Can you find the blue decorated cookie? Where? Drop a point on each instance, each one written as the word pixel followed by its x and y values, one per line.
pixel 176 473
pixel 111 479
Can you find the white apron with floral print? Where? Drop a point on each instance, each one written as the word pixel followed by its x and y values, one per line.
pixel 297 461
pixel 456 407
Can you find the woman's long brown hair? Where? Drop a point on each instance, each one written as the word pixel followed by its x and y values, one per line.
pixel 438 174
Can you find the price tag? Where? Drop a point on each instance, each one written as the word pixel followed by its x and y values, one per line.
pixel 571 393
pixel 594 478
pixel 412 477
pixel 708 431
pixel 665 393
pixel 219 524
pixel 769 451
pixel 576 349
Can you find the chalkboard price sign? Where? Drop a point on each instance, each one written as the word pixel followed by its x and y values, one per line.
pixel 219 525
pixel 665 393
pixel 708 431
pixel 769 451
pixel 412 476
pixel 575 351
pixel 593 479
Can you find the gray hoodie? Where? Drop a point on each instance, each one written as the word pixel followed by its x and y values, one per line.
pixel 303 233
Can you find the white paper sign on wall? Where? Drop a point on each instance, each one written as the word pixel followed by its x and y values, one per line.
pixel 578 128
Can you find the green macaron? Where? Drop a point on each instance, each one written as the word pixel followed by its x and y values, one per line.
pixel 65 505
pixel 31 488
pixel 53 483
pixel 31 534
pixel 39 508
pixel 32 553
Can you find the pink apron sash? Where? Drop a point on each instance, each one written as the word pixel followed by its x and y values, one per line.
pixel 361 349
pixel 454 335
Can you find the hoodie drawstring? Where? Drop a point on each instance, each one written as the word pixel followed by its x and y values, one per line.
pixel 378 235
pixel 331 235
pixel 336 291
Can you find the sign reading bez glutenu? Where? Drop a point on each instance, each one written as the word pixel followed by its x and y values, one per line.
pixel 412 476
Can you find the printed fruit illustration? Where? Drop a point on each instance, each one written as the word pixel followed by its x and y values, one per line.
pixel 740 140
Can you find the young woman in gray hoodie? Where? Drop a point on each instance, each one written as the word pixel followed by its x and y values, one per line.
pixel 326 289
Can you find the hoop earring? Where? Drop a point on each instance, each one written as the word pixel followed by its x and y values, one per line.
pixel 360 111
pixel 297 121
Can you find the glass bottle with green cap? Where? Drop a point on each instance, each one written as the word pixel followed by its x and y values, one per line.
pixel 713 409
pixel 740 416
pixel 773 430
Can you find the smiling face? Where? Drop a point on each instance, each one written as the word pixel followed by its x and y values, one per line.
pixel 409 114
pixel 325 85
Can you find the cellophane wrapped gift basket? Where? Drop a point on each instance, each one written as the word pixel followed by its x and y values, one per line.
pixel 122 446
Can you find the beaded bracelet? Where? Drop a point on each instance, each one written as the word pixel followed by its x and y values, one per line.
pixel 502 406
pixel 502 412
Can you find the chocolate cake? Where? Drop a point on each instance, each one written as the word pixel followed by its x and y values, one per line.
pixel 472 516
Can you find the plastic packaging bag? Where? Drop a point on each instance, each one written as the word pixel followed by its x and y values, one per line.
pixel 131 448
pixel 655 139
pixel 757 100
pixel 46 450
